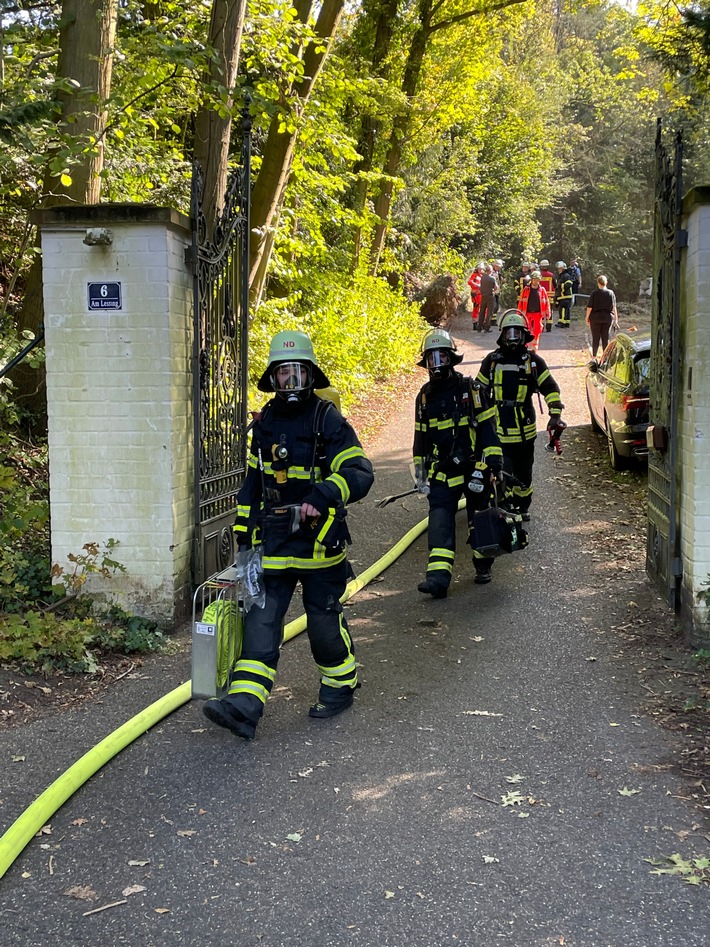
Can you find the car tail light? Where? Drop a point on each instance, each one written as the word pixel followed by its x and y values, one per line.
pixel 634 402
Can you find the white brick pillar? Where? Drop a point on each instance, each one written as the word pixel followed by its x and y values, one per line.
pixel 694 420
pixel 118 331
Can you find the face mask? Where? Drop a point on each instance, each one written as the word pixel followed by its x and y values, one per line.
pixel 291 380
pixel 513 336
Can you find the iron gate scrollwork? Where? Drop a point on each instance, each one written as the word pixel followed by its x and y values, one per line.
pixel 220 256
pixel 662 543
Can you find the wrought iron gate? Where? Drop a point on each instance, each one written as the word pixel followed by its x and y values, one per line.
pixel 220 258
pixel 663 564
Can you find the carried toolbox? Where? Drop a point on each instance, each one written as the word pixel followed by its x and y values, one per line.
pixel 217 620
pixel 497 531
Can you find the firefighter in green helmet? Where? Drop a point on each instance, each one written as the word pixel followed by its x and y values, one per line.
pixel 456 453
pixel 305 465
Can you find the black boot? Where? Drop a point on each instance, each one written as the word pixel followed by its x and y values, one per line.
pixel 332 701
pixel 223 714
pixel 431 588
pixel 483 576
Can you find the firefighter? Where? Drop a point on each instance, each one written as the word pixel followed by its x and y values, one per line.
pixel 535 306
pixel 564 293
pixel 456 453
pixel 522 280
pixel 474 282
pixel 547 279
pixel 305 465
pixel 511 375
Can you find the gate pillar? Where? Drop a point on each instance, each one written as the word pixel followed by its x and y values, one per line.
pixel 694 426
pixel 118 336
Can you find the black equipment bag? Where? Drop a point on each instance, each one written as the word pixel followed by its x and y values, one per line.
pixel 497 531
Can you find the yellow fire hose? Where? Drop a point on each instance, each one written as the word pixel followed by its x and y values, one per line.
pixel 26 826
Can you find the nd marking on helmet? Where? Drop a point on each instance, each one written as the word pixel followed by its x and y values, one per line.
pixel 439 353
pixel 292 348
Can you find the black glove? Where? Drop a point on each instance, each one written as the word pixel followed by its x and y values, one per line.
pixel 556 423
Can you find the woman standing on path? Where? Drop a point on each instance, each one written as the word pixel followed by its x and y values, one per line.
pixel 601 314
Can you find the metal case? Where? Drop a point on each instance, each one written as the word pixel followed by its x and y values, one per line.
pixel 217 618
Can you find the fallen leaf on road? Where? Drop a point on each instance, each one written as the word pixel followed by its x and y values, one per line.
pixel 82 892
pixel 628 792
pixel 133 889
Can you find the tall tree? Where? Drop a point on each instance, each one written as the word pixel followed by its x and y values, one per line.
pixel 272 179
pixel 214 116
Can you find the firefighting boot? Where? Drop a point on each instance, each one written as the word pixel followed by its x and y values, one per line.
pixel 435 589
pixel 332 701
pixel 225 715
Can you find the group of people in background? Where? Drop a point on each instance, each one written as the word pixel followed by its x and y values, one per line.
pixel 538 288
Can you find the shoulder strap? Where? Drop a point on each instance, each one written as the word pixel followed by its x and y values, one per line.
pixel 319 416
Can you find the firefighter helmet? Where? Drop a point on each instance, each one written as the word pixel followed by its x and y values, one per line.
pixel 439 353
pixel 561 265
pixel 536 274
pixel 544 262
pixel 526 264
pixel 293 348
pixel 514 329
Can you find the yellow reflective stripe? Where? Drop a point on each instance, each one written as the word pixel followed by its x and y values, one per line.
pixel 439 566
pixel 344 455
pixel 441 425
pixel 325 527
pixel 238 528
pixel 342 485
pixel 243 511
pixel 297 562
pixel 337 671
pixel 449 481
pixel 249 687
pixel 444 553
pixel 543 375
pixel 418 426
pixel 253 461
pixel 488 413
pixel 255 667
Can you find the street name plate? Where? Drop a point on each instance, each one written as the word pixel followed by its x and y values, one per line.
pixel 105 296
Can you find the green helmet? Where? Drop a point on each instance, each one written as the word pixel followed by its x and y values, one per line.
pixel 296 347
pixel 439 341
pixel 514 319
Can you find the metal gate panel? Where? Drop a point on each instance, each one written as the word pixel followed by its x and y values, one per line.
pixel 662 545
pixel 220 257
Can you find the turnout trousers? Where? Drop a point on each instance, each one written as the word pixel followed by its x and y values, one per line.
pixel 331 645
pixel 443 503
pixel 518 460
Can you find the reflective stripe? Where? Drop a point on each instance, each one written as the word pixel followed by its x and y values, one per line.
pixel 441 425
pixel 243 511
pixel 347 667
pixel 444 553
pixel 255 667
pixel 342 485
pixel 449 481
pixel 327 523
pixel 250 687
pixel 296 562
pixel 344 455
pixel 438 566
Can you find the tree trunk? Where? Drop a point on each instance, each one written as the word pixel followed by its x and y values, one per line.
pixel 213 128
pixel 384 31
pixel 400 130
pixel 272 180
pixel 85 62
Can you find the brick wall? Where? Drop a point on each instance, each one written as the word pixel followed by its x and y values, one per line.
pixel 119 391
pixel 694 422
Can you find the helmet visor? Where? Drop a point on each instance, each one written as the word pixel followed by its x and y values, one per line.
pixel 438 358
pixel 513 335
pixel 291 376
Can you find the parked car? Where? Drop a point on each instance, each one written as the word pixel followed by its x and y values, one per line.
pixel 617 395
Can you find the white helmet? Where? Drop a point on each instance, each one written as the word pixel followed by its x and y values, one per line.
pixel 561 265
pixel 544 262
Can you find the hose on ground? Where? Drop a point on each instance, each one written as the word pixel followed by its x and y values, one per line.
pixel 53 798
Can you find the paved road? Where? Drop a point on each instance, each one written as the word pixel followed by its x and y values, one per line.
pixel 494 783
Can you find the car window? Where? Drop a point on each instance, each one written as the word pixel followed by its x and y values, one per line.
pixel 642 367
pixel 608 357
pixel 622 368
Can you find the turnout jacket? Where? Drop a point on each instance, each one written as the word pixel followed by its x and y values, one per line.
pixel 511 378
pixel 322 463
pixel 564 286
pixel 454 429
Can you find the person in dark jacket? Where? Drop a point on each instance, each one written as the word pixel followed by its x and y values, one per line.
pixel 564 293
pixel 511 375
pixel 456 453
pixel 601 314
pixel 305 465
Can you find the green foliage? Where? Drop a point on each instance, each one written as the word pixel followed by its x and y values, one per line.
pixel 693 871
